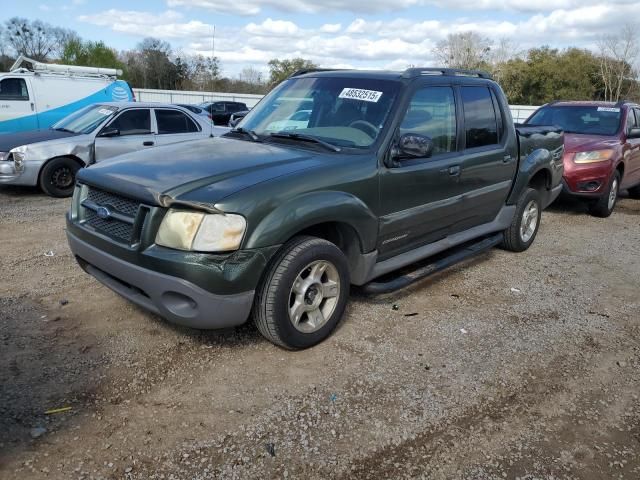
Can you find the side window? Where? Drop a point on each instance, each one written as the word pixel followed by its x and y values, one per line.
pixel 14 89
pixel 133 122
pixel 217 107
pixel 631 119
pixel 432 112
pixel 481 126
pixel 173 121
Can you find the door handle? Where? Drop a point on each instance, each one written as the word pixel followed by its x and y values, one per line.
pixel 33 106
pixel 506 158
pixel 454 171
pixel 148 143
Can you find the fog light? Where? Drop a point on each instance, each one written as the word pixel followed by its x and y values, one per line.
pixel 589 186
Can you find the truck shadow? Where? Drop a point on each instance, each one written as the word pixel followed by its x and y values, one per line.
pixel 44 365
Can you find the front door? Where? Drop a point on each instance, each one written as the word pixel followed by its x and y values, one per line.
pixel 420 198
pixel 17 105
pixel 134 132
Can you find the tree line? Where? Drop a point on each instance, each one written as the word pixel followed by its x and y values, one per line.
pixel 528 77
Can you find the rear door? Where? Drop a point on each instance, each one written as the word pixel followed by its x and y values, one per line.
pixel 487 168
pixel 135 132
pixel 17 105
pixel 174 126
pixel 420 198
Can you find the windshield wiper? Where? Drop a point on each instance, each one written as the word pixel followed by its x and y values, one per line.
pixel 306 138
pixel 249 133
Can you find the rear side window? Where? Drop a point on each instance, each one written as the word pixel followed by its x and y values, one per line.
pixel 133 122
pixel 432 112
pixel 173 121
pixel 13 89
pixel 481 125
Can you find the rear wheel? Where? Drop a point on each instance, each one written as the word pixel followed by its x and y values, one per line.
pixel 58 177
pixel 525 224
pixel 304 293
pixel 603 206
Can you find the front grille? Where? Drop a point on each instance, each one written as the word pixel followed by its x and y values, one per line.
pixel 115 228
pixel 121 204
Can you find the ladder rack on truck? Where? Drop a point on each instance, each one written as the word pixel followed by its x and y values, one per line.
pixel 25 65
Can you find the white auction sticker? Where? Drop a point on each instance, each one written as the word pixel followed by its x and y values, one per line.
pixel 359 94
pixel 608 109
pixel 105 111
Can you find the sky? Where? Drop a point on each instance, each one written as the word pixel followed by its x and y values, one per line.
pixel 332 33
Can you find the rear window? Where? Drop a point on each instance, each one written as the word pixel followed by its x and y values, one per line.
pixel 480 121
pixel 587 120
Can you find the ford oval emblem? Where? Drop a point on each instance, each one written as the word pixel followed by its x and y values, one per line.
pixel 103 213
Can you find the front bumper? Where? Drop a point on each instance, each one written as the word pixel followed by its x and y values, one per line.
pixel 29 176
pixel 586 180
pixel 175 299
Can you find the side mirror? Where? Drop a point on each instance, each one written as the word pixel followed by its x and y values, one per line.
pixel 109 132
pixel 634 133
pixel 413 145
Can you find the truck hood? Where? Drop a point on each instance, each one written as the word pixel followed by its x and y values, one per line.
pixel 197 172
pixel 13 140
pixel 574 142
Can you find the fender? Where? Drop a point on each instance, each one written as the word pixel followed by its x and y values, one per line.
pixel 536 161
pixel 311 209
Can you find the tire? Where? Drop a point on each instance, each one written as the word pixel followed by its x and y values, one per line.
pixel 603 206
pixel 525 224
pixel 278 301
pixel 58 177
pixel 634 192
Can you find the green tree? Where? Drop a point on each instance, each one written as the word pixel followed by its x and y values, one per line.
pixel 89 54
pixel 549 74
pixel 280 70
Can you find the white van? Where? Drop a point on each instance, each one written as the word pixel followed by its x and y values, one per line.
pixel 34 95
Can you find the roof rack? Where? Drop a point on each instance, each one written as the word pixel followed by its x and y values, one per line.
pixel 25 64
pixel 304 71
pixel 452 72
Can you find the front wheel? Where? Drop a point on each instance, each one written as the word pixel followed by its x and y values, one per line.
pixel 525 224
pixel 58 177
pixel 304 293
pixel 603 206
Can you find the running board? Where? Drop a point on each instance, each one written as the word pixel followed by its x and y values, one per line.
pixel 457 255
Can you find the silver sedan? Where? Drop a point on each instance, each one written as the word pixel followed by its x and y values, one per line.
pixel 50 158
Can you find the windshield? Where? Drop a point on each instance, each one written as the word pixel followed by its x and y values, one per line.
pixel 589 120
pixel 85 120
pixel 345 112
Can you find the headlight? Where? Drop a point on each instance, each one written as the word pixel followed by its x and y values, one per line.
pixel 4 156
pixel 201 232
pixel 593 156
pixel 18 161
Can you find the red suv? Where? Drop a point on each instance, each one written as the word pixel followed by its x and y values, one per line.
pixel 602 149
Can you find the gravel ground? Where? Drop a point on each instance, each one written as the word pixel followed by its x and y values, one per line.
pixel 509 366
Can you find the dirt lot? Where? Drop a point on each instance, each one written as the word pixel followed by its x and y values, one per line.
pixel 511 366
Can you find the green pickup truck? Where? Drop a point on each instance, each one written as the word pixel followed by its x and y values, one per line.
pixel 335 178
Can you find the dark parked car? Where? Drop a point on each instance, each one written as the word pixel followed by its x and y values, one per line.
pixel 391 168
pixel 220 112
pixel 236 117
pixel 602 149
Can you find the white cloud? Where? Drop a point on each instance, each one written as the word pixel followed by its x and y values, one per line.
pixel 331 28
pixel 273 28
pixel 393 43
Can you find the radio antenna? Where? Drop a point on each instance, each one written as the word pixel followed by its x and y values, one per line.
pixel 213 59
